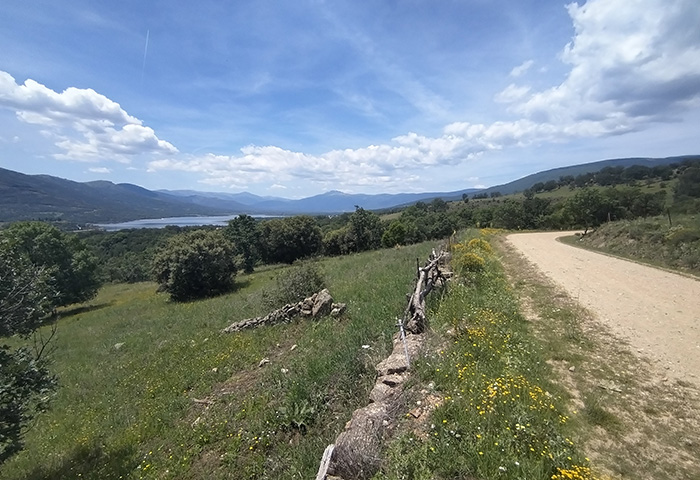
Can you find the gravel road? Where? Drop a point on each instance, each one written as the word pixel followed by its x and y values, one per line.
pixel 657 312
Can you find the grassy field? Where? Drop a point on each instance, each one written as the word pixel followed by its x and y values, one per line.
pixel 150 388
pixel 517 382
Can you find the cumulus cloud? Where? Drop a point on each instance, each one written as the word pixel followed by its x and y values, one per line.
pixel 632 62
pixel 85 125
pixel 387 166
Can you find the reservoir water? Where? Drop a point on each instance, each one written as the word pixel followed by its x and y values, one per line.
pixel 176 221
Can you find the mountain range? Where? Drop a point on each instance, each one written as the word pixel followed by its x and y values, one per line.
pixel 45 197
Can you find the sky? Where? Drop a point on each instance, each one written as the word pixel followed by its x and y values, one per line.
pixel 293 99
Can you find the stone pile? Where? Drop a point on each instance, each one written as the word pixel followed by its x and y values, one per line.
pixel 318 305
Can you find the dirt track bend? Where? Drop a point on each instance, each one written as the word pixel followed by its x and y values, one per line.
pixel 657 312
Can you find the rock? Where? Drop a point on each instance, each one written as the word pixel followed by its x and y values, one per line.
pixel 293 347
pixel 117 346
pixel 394 363
pixel 382 392
pixel 357 453
pixel 572 368
pixel 416 412
pixel 393 380
pixel 337 309
pixel 263 362
pixel 322 303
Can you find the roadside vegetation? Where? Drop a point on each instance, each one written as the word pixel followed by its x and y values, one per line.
pixel 671 244
pixel 498 413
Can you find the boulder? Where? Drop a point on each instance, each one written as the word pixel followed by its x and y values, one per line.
pixel 322 304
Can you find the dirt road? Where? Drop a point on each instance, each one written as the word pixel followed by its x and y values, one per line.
pixel 657 312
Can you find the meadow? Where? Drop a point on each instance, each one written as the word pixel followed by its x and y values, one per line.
pixel 149 388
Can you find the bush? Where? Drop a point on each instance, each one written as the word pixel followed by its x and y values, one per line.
pixel 469 262
pixel 294 285
pixel 195 265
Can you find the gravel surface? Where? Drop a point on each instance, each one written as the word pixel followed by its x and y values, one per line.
pixel 656 311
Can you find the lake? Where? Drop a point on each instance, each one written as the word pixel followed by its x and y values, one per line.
pixel 221 220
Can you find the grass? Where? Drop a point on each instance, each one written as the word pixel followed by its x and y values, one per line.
pixel 499 414
pixel 527 384
pixel 650 240
pixel 150 388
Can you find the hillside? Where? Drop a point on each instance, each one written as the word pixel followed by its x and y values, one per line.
pixel 554 174
pixel 43 197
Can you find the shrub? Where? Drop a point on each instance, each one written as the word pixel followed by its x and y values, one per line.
pixel 679 235
pixel 294 285
pixel 195 265
pixel 480 245
pixel 470 262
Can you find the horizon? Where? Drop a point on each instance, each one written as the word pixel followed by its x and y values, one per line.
pixel 297 100
pixel 370 194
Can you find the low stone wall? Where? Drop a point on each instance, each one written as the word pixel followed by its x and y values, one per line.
pixel 356 454
pixel 318 305
pixel 357 450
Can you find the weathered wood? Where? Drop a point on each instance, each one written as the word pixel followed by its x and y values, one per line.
pixel 325 461
pixel 427 278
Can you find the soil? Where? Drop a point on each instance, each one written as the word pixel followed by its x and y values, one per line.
pixel 657 312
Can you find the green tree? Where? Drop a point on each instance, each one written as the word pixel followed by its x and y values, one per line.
pixel 587 208
pixel 689 183
pixel 510 215
pixel 394 235
pixel 195 265
pixel 25 383
pixel 243 232
pixel 365 230
pixel 288 239
pixel 67 262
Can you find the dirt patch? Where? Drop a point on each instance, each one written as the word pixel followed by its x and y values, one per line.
pixel 635 417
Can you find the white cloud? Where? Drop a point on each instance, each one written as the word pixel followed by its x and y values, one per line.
pixel 388 166
pixel 84 124
pixel 512 93
pixel 99 170
pixel 632 62
pixel 522 68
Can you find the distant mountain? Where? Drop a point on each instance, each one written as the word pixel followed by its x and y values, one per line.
pixel 574 170
pixel 335 201
pixel 43 197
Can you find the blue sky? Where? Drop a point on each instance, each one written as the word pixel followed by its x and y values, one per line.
pixel 297 98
